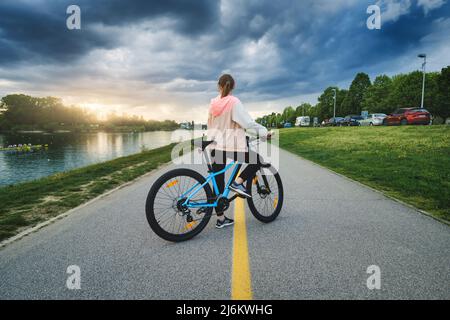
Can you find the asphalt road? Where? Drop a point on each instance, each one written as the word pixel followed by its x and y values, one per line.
pixel 329 231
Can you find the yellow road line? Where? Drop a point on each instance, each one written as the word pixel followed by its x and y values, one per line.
pixel 241 286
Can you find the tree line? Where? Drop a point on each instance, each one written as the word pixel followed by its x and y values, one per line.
pixel 23 112
pixel 385 95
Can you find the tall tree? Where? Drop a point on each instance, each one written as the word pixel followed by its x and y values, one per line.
pixel 375 99
pixel 289 114
pixel 407 90
pixel 442 107
pixel 352 102
pixel 279 120
pixel 325 107
pixel 303 110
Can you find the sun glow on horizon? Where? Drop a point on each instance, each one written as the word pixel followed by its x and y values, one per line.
pixel 100 110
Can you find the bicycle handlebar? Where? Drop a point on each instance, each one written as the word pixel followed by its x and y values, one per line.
pixel 252 139
pixel 202 144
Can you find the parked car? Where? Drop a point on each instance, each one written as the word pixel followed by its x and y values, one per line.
pixel 351 120
pixel 375 119
pixel 287 125
pixel 406 116
pixel 303 121
pixel 332 122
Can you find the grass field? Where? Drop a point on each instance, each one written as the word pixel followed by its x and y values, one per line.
pixel 29 203
pixel 410 163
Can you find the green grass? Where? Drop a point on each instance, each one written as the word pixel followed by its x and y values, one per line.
pixel 410 163
pixel 29 203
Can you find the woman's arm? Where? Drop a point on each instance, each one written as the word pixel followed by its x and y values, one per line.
pixel 244 119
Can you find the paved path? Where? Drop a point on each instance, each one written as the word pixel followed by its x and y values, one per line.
pixel 329 232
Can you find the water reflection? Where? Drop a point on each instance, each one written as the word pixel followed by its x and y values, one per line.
pixel 68 151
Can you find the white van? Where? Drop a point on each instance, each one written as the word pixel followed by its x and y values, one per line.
pixel 303 121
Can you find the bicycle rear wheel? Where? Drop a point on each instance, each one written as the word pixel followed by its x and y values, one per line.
pixel 165 213
pixel 267 194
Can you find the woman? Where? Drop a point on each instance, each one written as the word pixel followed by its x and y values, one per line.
pixel 227 122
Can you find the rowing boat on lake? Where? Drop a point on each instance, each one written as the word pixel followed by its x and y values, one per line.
pixel 25 147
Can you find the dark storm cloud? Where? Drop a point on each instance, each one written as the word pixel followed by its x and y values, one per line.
pixel 36 31
pixel 190 16
pixel 341 45
pixel 275 48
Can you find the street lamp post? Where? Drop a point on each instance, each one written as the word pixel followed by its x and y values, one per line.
pixel 424 57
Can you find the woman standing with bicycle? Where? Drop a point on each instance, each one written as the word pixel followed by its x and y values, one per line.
pixel 180 203
pixel 227 122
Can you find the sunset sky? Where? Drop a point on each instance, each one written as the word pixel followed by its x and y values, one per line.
pixel 161 59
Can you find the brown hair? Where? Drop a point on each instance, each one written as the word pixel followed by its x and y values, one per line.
pixel 226 83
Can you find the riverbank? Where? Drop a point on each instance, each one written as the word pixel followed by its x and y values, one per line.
pixel 27 204
pixel 68 151
pixel 117 129
pixel 409 163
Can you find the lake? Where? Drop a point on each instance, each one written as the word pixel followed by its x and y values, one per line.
pixel 67 151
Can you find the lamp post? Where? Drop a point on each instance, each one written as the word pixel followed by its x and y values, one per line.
pixel 424 57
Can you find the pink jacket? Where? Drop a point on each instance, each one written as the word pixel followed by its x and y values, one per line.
pixel 227 122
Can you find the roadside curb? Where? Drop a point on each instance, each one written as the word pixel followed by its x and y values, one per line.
pixel 43 224
pixel 423 212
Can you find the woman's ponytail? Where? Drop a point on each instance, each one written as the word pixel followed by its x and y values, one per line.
pixel 226 83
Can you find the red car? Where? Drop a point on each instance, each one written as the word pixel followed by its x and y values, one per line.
pixel 408 116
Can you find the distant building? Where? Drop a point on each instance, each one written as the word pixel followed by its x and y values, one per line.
pixel 187 125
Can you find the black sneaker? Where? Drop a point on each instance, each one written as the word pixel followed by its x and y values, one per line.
pixel 240 189
pixel 226 222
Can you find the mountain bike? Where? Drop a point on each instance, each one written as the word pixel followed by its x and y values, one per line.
pixel 181 202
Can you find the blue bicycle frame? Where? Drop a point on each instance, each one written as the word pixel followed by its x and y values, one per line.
pixel 211 177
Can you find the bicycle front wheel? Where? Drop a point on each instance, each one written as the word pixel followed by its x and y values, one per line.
pixel 164 208
pixel 266 190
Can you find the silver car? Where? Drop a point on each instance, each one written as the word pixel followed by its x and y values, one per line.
pixel 375 119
